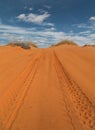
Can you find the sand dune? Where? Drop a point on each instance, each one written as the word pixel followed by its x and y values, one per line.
pixel 47 89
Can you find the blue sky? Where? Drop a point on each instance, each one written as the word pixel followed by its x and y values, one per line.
pixel 47 21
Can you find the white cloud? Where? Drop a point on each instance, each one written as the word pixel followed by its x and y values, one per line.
pixel 92 18
pixel 34 18
pixel 88 26
pixel 30 9
pixel 81 25
pixel 85 32
pixel 48 24
pixel 43 37
pixel 47 6
pixel 13 29
pixel 41 11
pixel 50 29
pixel 25 7
pixel 21 16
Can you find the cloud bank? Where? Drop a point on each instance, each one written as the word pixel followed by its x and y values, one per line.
pixel 48 35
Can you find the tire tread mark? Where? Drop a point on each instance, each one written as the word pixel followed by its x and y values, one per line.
pixel 8 99
pixel 83 107
pixel 20 99
pixel 64 96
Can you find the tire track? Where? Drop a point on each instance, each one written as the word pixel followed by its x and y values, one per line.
pixel 63 93
pixel 82 106
pixel 19 63
pixel 20 99
pixel 7 102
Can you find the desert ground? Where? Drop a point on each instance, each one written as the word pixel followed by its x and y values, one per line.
pixel 47 89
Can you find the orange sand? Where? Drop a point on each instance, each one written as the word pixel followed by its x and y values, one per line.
pixel 47 89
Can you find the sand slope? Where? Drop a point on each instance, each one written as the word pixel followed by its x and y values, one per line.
pixel 47 89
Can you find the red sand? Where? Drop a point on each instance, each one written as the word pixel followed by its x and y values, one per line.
pixel 47 89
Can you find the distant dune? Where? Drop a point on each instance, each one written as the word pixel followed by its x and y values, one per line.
pixel 47 89
pixel 25 45
pixel 65 42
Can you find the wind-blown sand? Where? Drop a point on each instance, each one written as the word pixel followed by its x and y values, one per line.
pixel 47 89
